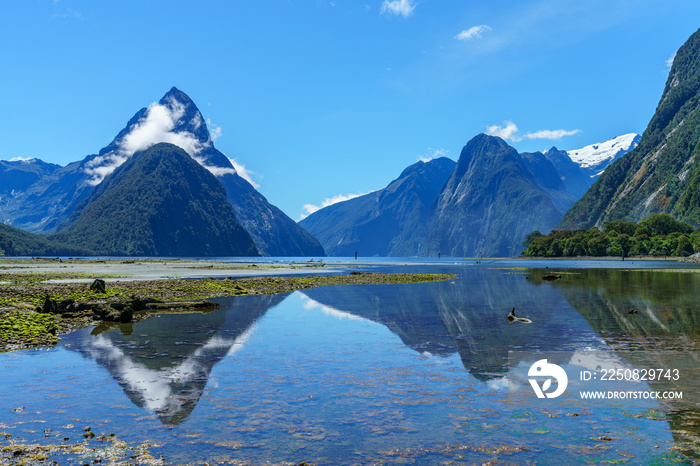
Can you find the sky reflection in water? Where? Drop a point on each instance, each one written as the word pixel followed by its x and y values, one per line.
pixel 396 373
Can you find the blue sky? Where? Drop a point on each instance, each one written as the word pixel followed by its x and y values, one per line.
pixel 324 98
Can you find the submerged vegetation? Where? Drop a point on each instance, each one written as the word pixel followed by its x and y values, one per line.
pixel 659 235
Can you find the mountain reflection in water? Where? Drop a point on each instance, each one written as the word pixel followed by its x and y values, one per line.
pixel 163 364
pixel 664 333
pixel 468 317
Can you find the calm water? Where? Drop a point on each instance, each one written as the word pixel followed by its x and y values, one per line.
pixel 392 374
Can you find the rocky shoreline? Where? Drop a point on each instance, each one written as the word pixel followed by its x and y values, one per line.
pixel 36 308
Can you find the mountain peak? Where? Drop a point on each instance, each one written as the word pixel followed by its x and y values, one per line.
pixel 424 165
pixel 392 221
pixel 487 139
pixel 491 201
pixel 175 91
pixel 485 149
pixel 174 119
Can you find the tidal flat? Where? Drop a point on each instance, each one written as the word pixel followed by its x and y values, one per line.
pixel 424 368
pixel 28 287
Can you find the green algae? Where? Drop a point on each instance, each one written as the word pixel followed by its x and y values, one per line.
pixel 21 329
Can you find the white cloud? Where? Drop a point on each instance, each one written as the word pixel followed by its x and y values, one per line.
pixel 473 32
pixel 398 7
pixel 669 62
pixel 507 132
pixel 510 132
pixel 310 208
pixel 69 13
pixel 214 130
pixel 101 166
pixel 216 171
pixel 22 159
pixel 551 134
pixel 433 154
pixel 244 173
pixel 157 125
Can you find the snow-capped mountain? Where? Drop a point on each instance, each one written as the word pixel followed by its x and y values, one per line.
pixel 596 157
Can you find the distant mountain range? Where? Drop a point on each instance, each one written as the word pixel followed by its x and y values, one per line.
pixel 390 222
pixel 484 204
pixel 662 174
pixel 45 198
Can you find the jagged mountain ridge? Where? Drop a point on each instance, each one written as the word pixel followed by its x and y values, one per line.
pixel 17 175
pixel 388 222
pixel 576 179
pixel 579 168
pixel 661 175
pixel 539 186
pixel 274 233
pixel 489 203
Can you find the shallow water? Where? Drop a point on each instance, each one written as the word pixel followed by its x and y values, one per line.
pixel 387 374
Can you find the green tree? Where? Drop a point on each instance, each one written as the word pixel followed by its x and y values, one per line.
pixel 658 235
pixel 556 249
pixel 597 246
pixel 621 227
pixel 625 243
pixel 530 237
pixel 614 249
pixel 664 224
pixel 684 248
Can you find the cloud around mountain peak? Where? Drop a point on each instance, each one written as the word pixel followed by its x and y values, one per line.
pixel 159 123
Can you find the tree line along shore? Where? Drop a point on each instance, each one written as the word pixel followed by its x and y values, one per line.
pixel 660 235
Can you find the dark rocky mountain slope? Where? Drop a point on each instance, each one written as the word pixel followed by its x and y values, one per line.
pixel 158 203
pixel 390 222
pixel 491 201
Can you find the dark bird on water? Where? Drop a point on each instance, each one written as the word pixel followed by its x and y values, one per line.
pixel 512 318
pixel 633 311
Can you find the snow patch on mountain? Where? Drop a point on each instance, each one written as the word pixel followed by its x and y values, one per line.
pixel 604 153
